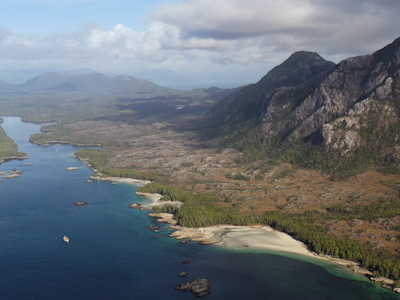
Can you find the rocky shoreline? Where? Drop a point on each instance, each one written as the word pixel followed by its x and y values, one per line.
pixel 48 143
pixel 13 174
pixel 99 176
pixel 219 233
pixel 8 158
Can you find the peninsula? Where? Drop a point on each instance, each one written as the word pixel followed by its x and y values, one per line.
pixel 8 148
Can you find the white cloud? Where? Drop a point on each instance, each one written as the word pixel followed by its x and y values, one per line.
pixel 222 32
pixel 333 26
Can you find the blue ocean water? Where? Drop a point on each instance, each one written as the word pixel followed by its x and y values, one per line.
pixel 113 255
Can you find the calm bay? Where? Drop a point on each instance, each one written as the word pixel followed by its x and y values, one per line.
pixel 113 255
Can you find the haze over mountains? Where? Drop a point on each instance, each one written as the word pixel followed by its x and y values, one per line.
pixel 87 83
pixel 162 77
pixel 118 85
pixel 17 77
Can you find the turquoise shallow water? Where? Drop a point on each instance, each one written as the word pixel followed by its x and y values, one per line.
pixel 112 255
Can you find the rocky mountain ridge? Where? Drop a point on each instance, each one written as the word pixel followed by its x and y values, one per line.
pixel 357 79
pixel 299 74
pixel 344 107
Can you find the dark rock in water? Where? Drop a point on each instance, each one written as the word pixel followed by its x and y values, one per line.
pixel 186 262
pixel 154 227
pixel 182 274
pixel 135 205
pixel 198 286
pixel 203 294
pixel 183 286
pixel 388 286
pixel 158 236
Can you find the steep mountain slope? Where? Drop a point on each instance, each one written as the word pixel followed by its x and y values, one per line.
pixel 318 115
pixel 369 80
pixel 301 73
pixel 217 94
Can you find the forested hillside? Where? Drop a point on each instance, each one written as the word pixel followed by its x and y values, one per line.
pixel 340 119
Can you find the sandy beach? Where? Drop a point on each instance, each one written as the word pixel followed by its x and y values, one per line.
pixel 155 198
pixel 263 238
pixel 256 236
pixel 114 179
pixel 122 180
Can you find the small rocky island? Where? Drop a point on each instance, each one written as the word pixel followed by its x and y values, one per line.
pixel 14 173
pixel 199 287
pixel 80 203
pixel 135 205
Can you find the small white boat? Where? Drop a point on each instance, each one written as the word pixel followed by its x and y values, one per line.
pixel 66 239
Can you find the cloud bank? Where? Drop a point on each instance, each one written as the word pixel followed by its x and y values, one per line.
pixel 221 32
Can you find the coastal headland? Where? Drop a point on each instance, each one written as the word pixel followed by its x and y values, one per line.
pixel 257 236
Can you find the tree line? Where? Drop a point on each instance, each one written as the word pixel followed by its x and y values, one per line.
pixel 98 159
pixel 7 146
pixel 203 210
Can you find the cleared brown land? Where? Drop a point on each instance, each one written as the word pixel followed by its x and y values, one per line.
pixel 254 188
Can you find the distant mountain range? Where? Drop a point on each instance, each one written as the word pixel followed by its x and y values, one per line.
pixel 99 83
pixel 45 81
pixel 17 77
pixel 87 83
pixel 96 83
pixel 5 86
pixel 162 77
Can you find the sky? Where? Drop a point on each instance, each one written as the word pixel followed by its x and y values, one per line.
pixel 237 39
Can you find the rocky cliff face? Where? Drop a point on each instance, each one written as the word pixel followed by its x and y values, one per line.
pixel 353 80
pixel 286 84
pixel 307 96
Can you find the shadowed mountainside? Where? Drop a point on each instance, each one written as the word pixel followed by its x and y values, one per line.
pixel 318 115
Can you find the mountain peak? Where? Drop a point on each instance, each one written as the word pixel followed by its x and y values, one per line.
pixel 386 54
pixel 297 60
pixel 301 58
